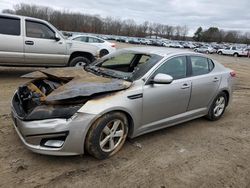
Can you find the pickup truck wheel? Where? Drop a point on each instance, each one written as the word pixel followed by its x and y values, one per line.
pixel 107 135
pixel 103 52
pixel 220 53
pixel 236 55
pixel 79 62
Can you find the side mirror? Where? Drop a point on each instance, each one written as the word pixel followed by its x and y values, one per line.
pixel 162 79
pixel 57 37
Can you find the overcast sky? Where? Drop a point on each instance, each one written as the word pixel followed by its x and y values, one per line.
pixel 225 14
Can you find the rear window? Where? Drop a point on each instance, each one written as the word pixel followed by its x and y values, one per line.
pixel 95 40
pixel 200 65
pixel 9 26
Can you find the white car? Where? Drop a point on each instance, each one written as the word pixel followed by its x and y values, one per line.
pixel 205 49
pixel 105 46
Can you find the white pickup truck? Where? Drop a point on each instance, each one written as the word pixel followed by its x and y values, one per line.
pixel 232 51
pixel 26 41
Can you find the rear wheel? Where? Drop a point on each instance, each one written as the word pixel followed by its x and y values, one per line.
pixel 220 53
pixel 79 62
pixel 207 52
pixel 107 135
pixel 218 107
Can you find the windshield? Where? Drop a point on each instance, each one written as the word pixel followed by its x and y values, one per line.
pixel 124 64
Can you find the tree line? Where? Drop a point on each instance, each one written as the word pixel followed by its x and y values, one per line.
pixel 79 22
pixel 214 34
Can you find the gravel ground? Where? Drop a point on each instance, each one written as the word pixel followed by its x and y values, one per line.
pixel 198 153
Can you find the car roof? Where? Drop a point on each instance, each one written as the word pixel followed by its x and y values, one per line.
pixel 161 51
pixel 86 35
pixel 21 17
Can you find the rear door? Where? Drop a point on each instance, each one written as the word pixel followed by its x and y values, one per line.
pixel 11 41
pixel 40 46
pixel 205 83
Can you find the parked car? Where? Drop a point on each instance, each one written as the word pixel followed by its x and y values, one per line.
pixel 175 45
pixel 156 42
pixel 133 41
pixel 27 41
pixel 104 46
pixel 145 41
pixel 232 51
pixel 188 45
pixel 128 93
pixel 205 49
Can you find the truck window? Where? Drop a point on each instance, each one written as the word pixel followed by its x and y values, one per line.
pixel 39 30
pixel 9 26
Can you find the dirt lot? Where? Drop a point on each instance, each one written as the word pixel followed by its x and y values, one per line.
pixel 194 154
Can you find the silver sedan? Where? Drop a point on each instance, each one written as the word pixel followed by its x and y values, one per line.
pixel 67 111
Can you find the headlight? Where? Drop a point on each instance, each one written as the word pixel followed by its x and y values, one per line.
pixel 52 111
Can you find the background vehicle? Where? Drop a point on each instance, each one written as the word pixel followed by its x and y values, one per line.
pixel 232 51
pixel 205 49
pixel 143 90
pixel 28 41
pixel 105 46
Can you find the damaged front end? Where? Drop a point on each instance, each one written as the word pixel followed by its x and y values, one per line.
pixel 60 93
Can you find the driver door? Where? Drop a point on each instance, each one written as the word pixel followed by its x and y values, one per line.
pixel 163 101
pixel 40 46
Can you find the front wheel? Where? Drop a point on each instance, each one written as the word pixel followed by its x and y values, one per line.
pixel 107 135
pixel 104 52
pixel 218 107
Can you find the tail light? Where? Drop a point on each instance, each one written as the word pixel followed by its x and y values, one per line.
pixel 233 73
pixel 113 45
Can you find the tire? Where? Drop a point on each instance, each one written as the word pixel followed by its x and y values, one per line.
pixel 220 53
pixel 103 52
pixel 214 114
pixel 79 62
pixel 98 140
pixel 236 55
pixel 207 52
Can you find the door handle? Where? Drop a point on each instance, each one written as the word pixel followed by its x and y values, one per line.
pixel 216 79
pixel 29 42
pixel 185 86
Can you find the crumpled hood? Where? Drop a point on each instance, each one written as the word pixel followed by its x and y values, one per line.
pixel 79 83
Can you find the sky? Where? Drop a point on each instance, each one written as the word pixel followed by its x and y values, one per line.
pixel 225 14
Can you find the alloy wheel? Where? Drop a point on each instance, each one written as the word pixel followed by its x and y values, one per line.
pixel 112 135
pixel 219 106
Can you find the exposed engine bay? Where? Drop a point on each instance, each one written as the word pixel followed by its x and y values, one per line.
pixel 60 92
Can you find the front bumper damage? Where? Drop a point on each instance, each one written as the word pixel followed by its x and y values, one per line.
pixel 45 110
pixel 71 132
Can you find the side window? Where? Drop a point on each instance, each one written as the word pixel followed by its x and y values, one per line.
pixel 93 40
pixel 175 67
pixel 210 64
pixel 82 39
pixel 38 30
pixel 9 26
pixel 233 48
pixel 200 65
